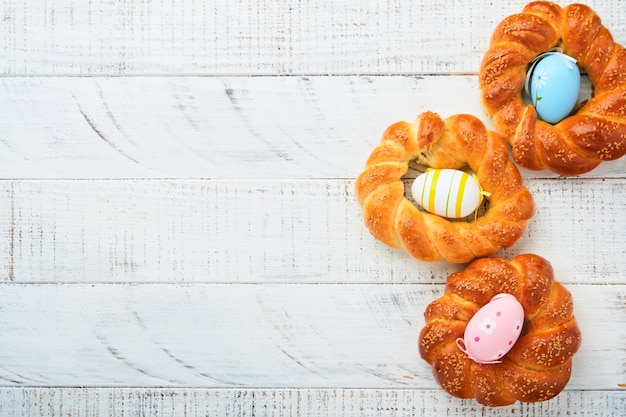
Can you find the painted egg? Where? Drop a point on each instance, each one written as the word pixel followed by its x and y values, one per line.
pixel 447 192
pixel 493 330
pixel 553 85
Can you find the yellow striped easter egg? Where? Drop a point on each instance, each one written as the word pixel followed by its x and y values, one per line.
pixel 447 192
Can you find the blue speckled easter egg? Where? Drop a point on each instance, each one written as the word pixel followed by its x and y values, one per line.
pixel 554 86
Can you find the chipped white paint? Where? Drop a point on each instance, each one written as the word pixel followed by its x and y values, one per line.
pixel 256 36
pixel 179 236
pixel 173 127
pixel 172 402
pixel 251 335
pixel 267 231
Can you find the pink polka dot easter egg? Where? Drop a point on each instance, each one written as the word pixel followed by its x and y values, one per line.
pixel 493 330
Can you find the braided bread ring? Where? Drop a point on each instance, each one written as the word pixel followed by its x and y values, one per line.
pixel 580 142
pixel 538 366
pixel 460 141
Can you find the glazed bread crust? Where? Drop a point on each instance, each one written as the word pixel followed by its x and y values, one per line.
pixel 597 130
pixel 538 366
pixel 457 142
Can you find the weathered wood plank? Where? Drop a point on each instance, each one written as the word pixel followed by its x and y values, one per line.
pixel 242 279
pixel 234 335
pixel 256 37
pixel 269 232
pixel 181 127
pixel 177 402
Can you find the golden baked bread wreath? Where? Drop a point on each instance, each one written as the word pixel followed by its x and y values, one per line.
pixel 458 142
pixel 538 366
pixel 580 142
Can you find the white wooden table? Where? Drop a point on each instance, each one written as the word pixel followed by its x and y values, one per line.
pixel 178 230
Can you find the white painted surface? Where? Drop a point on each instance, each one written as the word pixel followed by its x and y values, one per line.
pixel 179 236
pixel 256 36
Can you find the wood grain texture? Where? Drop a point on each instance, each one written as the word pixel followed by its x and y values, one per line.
pixel 248 335
pixel 256 37
pixel 269 232
pixel 234 127
pixel 186 402
pixel 178 234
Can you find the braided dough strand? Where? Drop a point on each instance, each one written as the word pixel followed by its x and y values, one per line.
pixel 579 143
pixel 458 142
pixel 538 367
